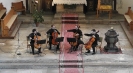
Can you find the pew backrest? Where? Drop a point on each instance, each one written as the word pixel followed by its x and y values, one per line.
pixel 129 18
pixel 18 6
pixel 2 10
pixel 8 21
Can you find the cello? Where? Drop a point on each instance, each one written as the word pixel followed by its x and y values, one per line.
pixel 54 35
pixel 76 37
pixel 37 38
pixel 89 43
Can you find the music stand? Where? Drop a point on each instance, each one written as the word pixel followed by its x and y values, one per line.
pixel 88 34
pixel 59 39
pixel 71 40
pixel 41 42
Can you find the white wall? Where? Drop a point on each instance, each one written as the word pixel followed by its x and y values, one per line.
pixel 122 5
pixel 7 3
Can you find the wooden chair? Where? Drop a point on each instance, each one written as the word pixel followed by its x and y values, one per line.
pixel 104 5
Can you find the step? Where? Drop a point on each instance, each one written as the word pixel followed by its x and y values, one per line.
pixel 28 65
pixel 71 61
pixel 59 15
pixel 70 21
pixel 71 66
pixel 69 18
pixel 80 21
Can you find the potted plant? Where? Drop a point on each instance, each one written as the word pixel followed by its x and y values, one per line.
pixel 38 17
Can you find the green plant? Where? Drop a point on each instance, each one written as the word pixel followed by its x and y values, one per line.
pixel 38 16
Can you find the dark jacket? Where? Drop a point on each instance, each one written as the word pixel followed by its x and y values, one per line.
pixel 32 36
pixel 96 38
pixel 50 31
pixel 76 31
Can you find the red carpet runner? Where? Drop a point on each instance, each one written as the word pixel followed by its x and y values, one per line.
pixel 69 62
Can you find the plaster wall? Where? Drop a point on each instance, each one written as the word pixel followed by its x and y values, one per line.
pixel 122 5
pixel 7 3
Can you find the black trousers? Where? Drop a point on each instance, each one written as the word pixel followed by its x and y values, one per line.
pixel 57 48
pixel 50 43
pixel 93 48
pixel 32 47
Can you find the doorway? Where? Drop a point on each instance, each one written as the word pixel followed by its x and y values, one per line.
pixel 47 5
pixel 92 5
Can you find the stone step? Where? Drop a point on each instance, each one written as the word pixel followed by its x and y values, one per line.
pixel 28 65
pixel 3 60
pixel 59 21
pixel 59 15
pixel 71 66
pixel 56 65
pixel 71 61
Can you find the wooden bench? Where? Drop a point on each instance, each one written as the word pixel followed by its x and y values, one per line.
pixel 2 11
pixel 129 18
pixel 9 23
pixel 18 7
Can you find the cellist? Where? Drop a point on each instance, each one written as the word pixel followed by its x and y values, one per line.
pixel 77 34
pixel 32 40
pixel 95 43
pixel 49 32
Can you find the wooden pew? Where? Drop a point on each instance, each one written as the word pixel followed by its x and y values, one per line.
pixel 2 15
pixel 129 18
pixel 18 7
pixel 2 11
pixel 9 23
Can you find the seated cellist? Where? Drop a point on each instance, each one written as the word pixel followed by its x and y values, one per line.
pixel 32 37
pixel 77 33
pixel 50 32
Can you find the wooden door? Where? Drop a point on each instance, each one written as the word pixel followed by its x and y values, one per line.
pixel 47 5
pixel 92 5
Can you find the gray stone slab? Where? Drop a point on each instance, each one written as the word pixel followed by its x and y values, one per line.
pixel 8 71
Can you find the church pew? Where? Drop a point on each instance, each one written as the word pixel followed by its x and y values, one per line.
pixel 9 23
pixel 2 11
pixel 129 18
pixel 18 7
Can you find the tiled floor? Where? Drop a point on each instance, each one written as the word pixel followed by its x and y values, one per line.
pixel 98 63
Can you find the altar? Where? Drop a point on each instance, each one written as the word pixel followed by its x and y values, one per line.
pixel 69 5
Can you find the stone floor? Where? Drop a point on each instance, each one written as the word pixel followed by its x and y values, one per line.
pixel 98 63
